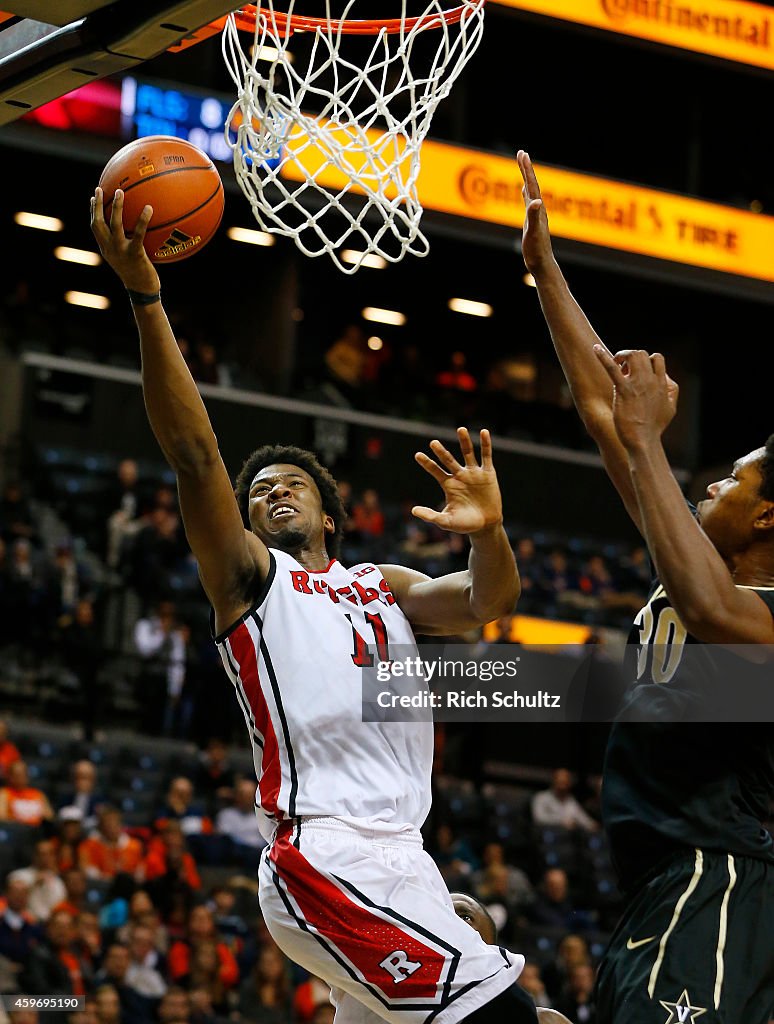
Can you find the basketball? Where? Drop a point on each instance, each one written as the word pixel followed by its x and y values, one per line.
pixel 182 185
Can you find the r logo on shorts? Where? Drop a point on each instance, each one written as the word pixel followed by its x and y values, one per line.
pixel 399 965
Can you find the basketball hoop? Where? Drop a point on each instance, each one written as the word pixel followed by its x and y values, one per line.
pixel 342 117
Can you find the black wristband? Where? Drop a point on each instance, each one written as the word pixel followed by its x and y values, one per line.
pixel 143 298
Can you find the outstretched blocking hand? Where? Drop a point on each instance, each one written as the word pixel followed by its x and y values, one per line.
pixel 644 395
pixel 127 256
pixel 536 238
pixel 473 499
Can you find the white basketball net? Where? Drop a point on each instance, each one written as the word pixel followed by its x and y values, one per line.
pixel 369 116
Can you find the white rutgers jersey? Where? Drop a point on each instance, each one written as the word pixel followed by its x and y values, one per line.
pixel 295 659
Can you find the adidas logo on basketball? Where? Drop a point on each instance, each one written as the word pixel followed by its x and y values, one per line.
pixel 177 242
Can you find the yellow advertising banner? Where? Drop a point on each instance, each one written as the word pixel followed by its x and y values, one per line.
pixel 486 187
pixel 732 29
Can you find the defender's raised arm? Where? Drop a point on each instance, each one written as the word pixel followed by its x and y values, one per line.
pixel 229 556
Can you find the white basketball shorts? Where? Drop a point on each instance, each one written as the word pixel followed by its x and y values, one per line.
pixel 369 913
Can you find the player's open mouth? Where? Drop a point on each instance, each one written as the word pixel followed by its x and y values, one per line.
pixel 282 510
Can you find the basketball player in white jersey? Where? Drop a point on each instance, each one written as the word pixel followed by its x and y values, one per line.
pixel 345 887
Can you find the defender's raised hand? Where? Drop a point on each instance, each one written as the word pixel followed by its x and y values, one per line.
pixel 644 398
pixel 473 499
pixel 126 256
pixel 536 238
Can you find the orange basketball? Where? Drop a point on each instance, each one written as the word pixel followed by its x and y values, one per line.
pixel 179 182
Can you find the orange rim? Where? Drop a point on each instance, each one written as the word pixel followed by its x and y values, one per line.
pixel 247 16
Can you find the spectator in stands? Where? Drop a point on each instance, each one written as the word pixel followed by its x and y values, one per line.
pixel 6 606
pixel 19 931
pixel 175 1006
pixel 206 368
pixel 154 554
pixel 229 926
pixel 531 982
pixel 367 516
pixel 19 801
pixel 46 887
pixel 27 595
pixel 145 973
pixel 15 515
pixel 53 968
pixel 308 996
pixel 179 806
pixel 170 871
pixel 82 649
pixel 107 1006
pixel 214 778
pixel 240 824
pixel 341 378
pixel 109 850
pixel 577 1002
pixel 68 582
pixel 201 929
pixel 572 950
pixel 122 512
pixel 529 572
pixel 75 884
pixel 162 643
pixel 557 807
pixel 8 750
pixel 552 907
pixel 88 940
pixel 557 580
pixel 134 1007
pixel 68 839
pixel 454 857
pixel 83 795
pixel 499 880
pixel 206 973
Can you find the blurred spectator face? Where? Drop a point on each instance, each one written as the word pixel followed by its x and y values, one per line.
pixel 346 358
pixel 24 1017
pixel 165 498
pixel 116 962
pixel 17 893
pixel 555 885
pixel 224 901
pixel 70 827
pixel 582 980
pixel 84 776
pixel 557 560
pixel 216 751
pixel 174 1007
pixel 494 854
pixel 530 980
pixel 17 776
pixel 323 1014
pixel 245 796
pixel 127 473
pixel 44 858
pixel 573 950
pixel 84 612
pixel 271 964
pixel 345 492
pixel 60 930
pixel 141 944
pixel 497 880
pixel 110 825
pixel 22 550
pixel 201 1002
pixel 180 792
pixel 205 959
pixel 140 903
pixel 108 1005
pixel 525 548
pixel 200 924
pixel 370 499
pixel 165 613
pixel 561 782
pixel 75 884
pixel 89 1013
pixel 88 930
pixel 444 837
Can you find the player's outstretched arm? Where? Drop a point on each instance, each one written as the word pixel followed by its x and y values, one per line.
pixel 574 339
pixel 700 587
pixel 490 587
pixel 228 555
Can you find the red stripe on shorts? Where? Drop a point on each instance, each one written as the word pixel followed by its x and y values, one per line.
pixel 364 938
pixel 271 770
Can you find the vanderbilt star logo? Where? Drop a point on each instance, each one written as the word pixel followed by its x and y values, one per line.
pixel 682 1012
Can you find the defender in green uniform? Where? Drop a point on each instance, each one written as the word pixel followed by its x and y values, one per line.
pixel 683 803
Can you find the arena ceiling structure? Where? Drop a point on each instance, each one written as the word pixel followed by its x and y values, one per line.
pixel 48 49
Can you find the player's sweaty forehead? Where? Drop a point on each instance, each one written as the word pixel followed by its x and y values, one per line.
pixel 280 474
